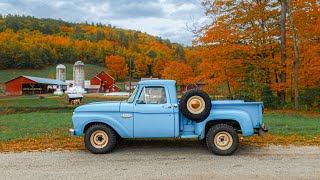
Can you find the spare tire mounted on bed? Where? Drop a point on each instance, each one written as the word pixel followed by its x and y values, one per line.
pixel 195 104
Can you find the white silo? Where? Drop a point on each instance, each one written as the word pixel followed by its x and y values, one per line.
pixel 61 72
pixel 78 74
pixel 61 76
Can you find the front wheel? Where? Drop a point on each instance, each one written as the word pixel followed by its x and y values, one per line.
pixel 100 139
pixel 222 139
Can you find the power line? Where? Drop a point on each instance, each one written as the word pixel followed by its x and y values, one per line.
pixel 4 11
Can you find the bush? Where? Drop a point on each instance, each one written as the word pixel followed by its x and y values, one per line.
pixel 310 96
pixel 268 98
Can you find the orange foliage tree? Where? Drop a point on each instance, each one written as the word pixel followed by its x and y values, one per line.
pixel 244 60
pixel 117 67
pixel 178 71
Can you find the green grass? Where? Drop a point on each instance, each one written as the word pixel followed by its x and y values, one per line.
pixel 27 104
pixel 285 124
pixel 31 101
pixel 45 124
pixel 38 124
pixel 8 74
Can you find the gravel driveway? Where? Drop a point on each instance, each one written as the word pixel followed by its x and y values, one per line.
pixel 159 160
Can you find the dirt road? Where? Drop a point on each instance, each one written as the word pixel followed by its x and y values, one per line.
pixel 157 160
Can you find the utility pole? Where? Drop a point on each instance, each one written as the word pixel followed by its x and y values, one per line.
pixel 130 66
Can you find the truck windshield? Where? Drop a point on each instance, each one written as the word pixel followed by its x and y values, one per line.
pixel 131 98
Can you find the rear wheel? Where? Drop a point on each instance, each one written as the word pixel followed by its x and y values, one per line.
pixel 100 139
pixel 222 139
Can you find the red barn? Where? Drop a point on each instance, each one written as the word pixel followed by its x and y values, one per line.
pixel 32 85
pixel 105 81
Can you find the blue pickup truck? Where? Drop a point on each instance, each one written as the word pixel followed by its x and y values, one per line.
pixel 154 111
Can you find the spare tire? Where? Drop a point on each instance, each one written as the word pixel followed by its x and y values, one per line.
pixel 195 104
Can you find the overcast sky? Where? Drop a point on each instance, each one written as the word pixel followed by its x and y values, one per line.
pixel 165 18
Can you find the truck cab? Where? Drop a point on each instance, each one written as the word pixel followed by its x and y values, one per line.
pixel 154 111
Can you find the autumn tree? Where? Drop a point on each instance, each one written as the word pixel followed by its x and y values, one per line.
pixel 242 32
pixel 140 67
pixel 117 67
pixel 178 71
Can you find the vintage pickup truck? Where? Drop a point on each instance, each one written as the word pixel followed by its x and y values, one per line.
pixel 153 111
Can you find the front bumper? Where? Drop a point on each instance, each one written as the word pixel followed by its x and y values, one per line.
pixel 71 132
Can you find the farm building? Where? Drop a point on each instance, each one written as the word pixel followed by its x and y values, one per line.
pixel 195 85
pixel 101 83
pixel 105 82
pixel 133 85
pixel 32 85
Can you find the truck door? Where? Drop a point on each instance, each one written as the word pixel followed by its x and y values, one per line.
pixel 153 113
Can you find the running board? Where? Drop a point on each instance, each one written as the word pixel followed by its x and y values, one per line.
pixel 188 135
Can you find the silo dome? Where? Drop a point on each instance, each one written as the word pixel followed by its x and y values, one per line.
pixel 78 74
pixel 61 72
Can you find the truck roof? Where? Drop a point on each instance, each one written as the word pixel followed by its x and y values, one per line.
pixel 158 82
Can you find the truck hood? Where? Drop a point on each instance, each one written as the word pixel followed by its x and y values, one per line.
pixel 107 106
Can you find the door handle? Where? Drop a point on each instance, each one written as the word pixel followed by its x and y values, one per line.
pixel 167 107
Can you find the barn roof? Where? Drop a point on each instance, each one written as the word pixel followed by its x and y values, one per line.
pixel 45 80
pixel 42 80
pixel 103 72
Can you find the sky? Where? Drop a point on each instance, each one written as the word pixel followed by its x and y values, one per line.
pixel 165 18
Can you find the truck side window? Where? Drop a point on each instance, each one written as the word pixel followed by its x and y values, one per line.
pixel 153 95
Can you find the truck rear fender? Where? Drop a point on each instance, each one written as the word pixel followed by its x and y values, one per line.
pixel 105 119
pixel 235 118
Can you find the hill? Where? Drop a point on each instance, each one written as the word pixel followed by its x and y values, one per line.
pixel 31 43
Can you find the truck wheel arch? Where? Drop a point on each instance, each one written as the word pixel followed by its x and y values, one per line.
pixel 95 122
pixel 235 124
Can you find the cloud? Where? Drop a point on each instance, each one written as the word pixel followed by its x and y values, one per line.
pixel 165 18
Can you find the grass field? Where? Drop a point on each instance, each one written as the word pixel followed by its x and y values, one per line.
pixel 43 124
pixel 8 74
pixel 31 116
pixel 289 124
pixel 14 126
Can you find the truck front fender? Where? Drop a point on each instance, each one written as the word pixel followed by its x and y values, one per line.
pixel 242 117
pixel 80 121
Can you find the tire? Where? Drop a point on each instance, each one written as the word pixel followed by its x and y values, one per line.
pixel 100 139
pixel 195 105
pixel 222 139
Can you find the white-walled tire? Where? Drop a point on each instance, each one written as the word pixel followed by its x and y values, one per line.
pixel 100 139
pixel 222 139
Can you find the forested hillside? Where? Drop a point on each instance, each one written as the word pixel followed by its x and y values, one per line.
pixel 32 43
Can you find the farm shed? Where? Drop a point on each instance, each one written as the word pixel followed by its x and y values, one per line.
pixel 105 81
pixel 32 85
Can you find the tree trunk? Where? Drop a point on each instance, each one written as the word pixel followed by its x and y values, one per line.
pixel 228 85
pixel 283 40
pixel 297 59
